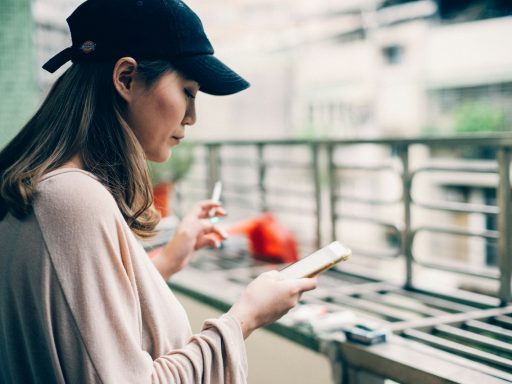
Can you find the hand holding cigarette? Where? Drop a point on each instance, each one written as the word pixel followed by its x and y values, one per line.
pixel 217 190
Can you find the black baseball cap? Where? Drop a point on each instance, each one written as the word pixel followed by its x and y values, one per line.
pixel 147 29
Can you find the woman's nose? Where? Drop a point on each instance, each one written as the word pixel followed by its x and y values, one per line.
pixel 190 116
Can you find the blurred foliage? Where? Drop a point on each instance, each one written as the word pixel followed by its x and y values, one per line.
pixel 175 167
pixel 471 117
pixel 478 117
pixel 308 131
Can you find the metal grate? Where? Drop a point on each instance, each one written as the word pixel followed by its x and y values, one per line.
pixel 486 340
pixel 469 334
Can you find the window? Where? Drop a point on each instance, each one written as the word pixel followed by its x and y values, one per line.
pixel 393 54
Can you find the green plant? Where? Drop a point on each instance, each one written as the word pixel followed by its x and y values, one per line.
pixel 470 117
pixel 478 117
pixel 175 168
pixel 474 117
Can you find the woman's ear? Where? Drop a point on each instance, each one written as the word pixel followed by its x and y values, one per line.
pixel 123 77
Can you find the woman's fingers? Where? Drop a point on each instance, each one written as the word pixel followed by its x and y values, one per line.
pixel 210 235
pixel 301 285
pixel 217 211
pixel 307 284
pixel 209 208
pixel 209 240
pixel 208 227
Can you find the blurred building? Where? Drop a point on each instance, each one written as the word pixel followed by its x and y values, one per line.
pixel 328 68
pixel 360 67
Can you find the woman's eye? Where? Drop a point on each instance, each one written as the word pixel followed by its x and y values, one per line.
pixel 188 93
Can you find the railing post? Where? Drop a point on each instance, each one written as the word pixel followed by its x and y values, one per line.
pixel 504 224
pixel 261 177
pixel 332 182
pixel 406 242
pixel 318 192
pixel 212 167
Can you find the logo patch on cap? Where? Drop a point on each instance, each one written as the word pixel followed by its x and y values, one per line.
pixel 88 46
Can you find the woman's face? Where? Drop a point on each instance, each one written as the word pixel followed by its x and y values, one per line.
pixel 158 114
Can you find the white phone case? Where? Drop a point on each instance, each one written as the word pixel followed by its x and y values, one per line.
pixel 317 262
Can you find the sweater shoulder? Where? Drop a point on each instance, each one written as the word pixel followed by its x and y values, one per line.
pixel 73 192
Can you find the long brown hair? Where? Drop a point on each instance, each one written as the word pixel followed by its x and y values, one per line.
pixel 83 114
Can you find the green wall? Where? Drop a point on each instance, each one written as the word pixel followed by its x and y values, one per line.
pixel 19 93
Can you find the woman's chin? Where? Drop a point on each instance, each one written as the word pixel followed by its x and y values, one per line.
pixel 160 157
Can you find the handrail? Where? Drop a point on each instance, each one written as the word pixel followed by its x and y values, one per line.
pixel 483 140
pixel 322 172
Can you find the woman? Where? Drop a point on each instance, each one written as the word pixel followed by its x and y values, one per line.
pixel 80 301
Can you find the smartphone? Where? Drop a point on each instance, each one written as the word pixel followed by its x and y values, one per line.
pixel 317 262
pixel 217 191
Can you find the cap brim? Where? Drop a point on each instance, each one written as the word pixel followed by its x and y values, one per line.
pixel 214 77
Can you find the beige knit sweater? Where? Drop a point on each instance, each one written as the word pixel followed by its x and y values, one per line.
pixel 80 302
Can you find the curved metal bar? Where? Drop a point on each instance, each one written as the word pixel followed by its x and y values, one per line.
pixel 290 192
pixel 392 253
pixel 372 168
pixel 288 164
pixel 370 220
pixel 370 201
pixel 482 167
pixel 459 207
pixel 477 272
pixel 492 235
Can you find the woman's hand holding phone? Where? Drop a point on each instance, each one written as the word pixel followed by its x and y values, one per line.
pixel 272 294
pixel 267 298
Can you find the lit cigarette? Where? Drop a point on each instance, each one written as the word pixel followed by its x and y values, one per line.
pixel 217 190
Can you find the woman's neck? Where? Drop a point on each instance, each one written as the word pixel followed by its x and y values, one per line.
pixel 74 162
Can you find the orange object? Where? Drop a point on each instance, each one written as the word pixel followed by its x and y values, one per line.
pixel 162 197
pixel 268 239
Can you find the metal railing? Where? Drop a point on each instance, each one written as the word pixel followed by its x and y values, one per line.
pixel 322 166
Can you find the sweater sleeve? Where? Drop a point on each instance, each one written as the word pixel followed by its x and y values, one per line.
pixel 98 281
pixel 205 357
